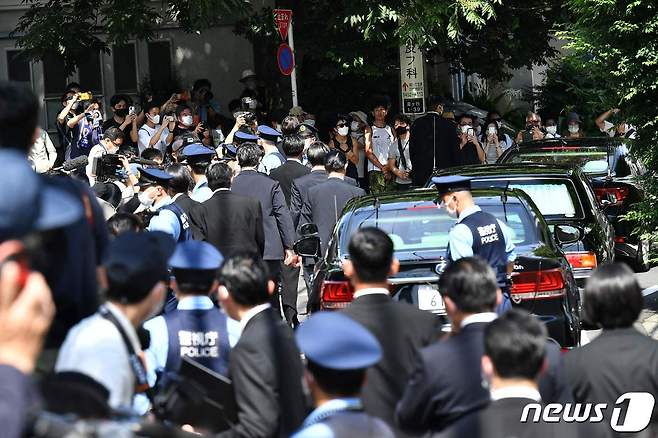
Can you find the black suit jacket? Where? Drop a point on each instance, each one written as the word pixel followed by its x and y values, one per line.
pixel 324 205
pixel 286 174
pixel 267 373
pixel 231 222
pixel 615 362
pixel 186 203
pixel 277 223
pixel 433 144
pixel 447 381
pixel 500 419
pixel 402 330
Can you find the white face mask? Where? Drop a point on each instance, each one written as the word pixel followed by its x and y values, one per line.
pixel 343 131
pixel 452 213
pixel 187 120
pixel 155 119
pixel 551 129
pixel 145 199
pixel 354 126
pixel 465 128
pixel 573 128
pixel 491 131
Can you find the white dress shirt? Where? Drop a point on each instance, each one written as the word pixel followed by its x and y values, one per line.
pixel 251 313
pixel 94 347
pixel 516 392
pixel 478 317
pixel 371 291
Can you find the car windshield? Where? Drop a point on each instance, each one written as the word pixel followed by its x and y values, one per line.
pixel 422 228
pixel 555 197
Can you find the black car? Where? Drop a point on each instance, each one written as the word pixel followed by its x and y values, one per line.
pixel 542 281
pixel 564 197
pixel 612 172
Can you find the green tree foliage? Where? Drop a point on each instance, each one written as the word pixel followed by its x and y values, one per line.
pixel 72 27
pixel 616 41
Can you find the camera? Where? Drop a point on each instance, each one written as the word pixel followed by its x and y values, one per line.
pixel 85 96
pixel 108 168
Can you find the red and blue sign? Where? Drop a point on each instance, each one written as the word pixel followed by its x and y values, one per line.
pixel 286 59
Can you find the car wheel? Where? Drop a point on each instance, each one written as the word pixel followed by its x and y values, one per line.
pixel 642 262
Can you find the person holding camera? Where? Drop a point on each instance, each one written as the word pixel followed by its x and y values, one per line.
pixel 533 129
pixel 124 118
pixel 471 149
pixel 88 127
pixel 152 134
pixel 207 107
pixel 110 144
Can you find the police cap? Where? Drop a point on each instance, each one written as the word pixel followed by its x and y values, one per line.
pixel 135 263
pixel 154 176
pixel 196 255
pixel 306 130
pixel 337 342
pixel 267 133
pixel 451 183
pixel 242 137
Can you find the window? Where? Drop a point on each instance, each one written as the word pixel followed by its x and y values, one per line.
pixel 89 74
pixel 125 69
pixel 18 66
pixel 54 75
pixel 160 65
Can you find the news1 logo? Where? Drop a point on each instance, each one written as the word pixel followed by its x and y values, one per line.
pixel 630 413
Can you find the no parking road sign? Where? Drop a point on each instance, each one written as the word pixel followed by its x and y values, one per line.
pixel 286 59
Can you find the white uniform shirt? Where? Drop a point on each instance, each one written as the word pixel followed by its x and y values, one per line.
pixel 94 347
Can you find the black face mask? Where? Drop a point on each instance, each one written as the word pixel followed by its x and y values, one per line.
pixel 123 112
pixel 401 130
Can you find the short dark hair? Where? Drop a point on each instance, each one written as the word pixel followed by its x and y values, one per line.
pixel 246 278
pixel 465 116
pixel 201 83
pixel 182 107
pixel 67 96
pixel 402 118
pixel 380 100
pixel 122 222
pixel 289 125
pixel 612 297
pixel 150 105
pixel 19 112
pixel 151 154
pixel 371 253
pixel 516 344
pixel 113 134
pixel 434 101
pixel 344 383
pixel 293 145
pixel 317 153
pixel 219 176
pixel 335 161
pixel 199 165
pixel 471 285
pixel 249 154
pixel 118 98
pixel 182 180
pixel 194 281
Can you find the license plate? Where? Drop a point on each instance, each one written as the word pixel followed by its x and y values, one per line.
pixel 429 299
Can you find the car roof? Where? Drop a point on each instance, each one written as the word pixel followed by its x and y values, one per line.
pixel 479 171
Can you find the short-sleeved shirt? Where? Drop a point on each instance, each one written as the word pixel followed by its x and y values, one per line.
pixel 146 133
pixel 611 130
pixel 381 144
pixel 394 154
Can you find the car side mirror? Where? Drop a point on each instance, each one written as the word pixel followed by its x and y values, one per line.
pixel 566 234
pixel 309 244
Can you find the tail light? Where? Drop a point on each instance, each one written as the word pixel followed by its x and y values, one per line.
pixel 616 195
pixel 620 239
pixel 336 294
pixel 537 285
pixel 581 260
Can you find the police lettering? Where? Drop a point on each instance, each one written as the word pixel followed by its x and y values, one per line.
pixel 488 234
pixel 198 344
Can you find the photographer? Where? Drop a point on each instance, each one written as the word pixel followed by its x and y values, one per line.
pixel 207 107
pixel 471 149
pixel 152 134
pixel 109 144
pixel 123 119
pixel 245 120
pixel 70 104
pixel 533 129
pixel 185 125
pixel 88 127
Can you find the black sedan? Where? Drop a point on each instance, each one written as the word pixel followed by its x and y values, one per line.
pixel 612 172
pixel 564 197
pixel 542 281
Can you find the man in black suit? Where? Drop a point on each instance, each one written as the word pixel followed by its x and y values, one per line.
pixel 446 383
pixel 326 200
pixel 620 359
pixel 265 364
pixel 277 223
pixel 433 145
pixel 233 223
pixel 400 328
pixel 293 147
pixel 515 349
pixel 316 155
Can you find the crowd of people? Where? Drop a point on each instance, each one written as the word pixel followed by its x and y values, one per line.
pixel 167 246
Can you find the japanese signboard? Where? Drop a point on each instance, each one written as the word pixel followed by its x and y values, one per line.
pixel 412 79
pixel 282 18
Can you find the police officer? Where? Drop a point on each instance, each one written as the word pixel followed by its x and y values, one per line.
pixel 338 352
pixel 476 232
pixel 273 158
pixel 198 158
pixel 168 216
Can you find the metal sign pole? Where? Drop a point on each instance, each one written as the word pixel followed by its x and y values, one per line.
pixel 293 75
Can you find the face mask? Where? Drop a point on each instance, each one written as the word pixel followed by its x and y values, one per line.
pixel 573 128
pixel 452 213
pixel 344 130
pixel 187 120
pixel 491 131
pixel 123 112
pixel 145 199
pixel 155 119
pixel 551 129
pixel 401 130
pixel 308 142
pixel 310 122
pixel 354 126
pixel 465 128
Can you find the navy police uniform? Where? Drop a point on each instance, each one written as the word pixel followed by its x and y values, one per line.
pixel 347 346
pixel 198 153
pixel 170 217
pixel 274 159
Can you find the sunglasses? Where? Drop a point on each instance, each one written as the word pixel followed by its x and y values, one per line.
pixel 341 125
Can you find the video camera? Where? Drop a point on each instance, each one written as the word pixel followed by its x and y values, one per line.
pixel 108 168
pixel 247 104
